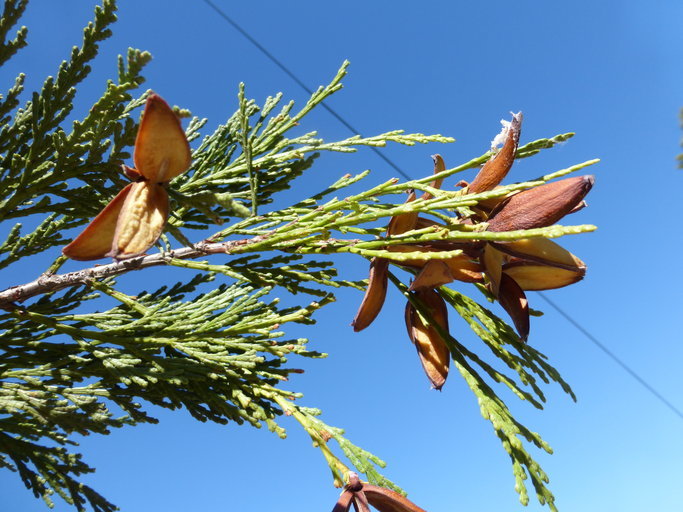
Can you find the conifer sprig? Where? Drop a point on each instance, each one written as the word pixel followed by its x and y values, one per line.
pixel 10 16
pixel 214 344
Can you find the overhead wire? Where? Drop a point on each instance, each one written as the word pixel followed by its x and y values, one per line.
pixel 612 356
pixel 343 121
pixel 296 79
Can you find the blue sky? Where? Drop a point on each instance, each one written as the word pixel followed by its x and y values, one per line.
pixel 609 71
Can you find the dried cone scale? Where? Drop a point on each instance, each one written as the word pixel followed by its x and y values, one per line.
pixel 360 496
pixel 375 293
pixel 540 206
pixel 432 349
pixel 495 169
pixel 135 218
pixel 514 301
pixel 540 264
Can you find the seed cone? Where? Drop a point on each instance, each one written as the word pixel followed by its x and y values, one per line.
pixel 135 218
pixel 514 301
pixel 403 222
pixel 462 267
pixel 540 206
pixel 375 293
pixel 386 500
pixel 435 273
pixel 362 495
pixel 161 148
pixel 96 239
pixel 433 351
pixel 492 260
pixel 497 167
pixel 542 251
pixel 344 502
pixel 141 220
pixel 533 277
pixel 439 165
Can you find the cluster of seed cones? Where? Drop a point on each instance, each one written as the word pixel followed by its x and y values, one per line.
pixel 507 269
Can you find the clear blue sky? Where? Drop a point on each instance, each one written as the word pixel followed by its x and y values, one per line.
pixel 610 71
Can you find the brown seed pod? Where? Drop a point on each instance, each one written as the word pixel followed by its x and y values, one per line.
pixel 540 206
pixel 161 148
pixel 435 273
pixel 344 502
pixel 432 349
pixel 439 166
pixel 514 301
pixel 495 169
pixel 375 293
pixel 362 495
pixel 386 500
pixel 403 222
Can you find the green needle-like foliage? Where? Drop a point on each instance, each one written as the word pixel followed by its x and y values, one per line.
pixel 79 356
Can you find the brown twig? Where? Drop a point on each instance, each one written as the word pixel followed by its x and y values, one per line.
pixel 54 282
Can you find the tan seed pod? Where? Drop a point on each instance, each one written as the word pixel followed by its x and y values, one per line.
pixel 96 239
pixel 492 261
pixel 161 148
pixel 464 269
pixel 140 221
pixel 431 348
pixel 542 251
pixel 534 277
pixel 461 267
pixel 375 293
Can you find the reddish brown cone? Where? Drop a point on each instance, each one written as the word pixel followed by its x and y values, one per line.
pixel 432 349
pixel 540 206
pixel 361 495
pixel 375 293
pixel 495 170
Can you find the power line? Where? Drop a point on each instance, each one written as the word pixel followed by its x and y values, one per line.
pixel 613 356
pixel 291 75
pixel 343 121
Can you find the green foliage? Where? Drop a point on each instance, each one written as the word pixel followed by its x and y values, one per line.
pixel 70 362
pixel 11 14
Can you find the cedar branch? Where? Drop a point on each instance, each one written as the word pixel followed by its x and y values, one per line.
pixel 48 282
